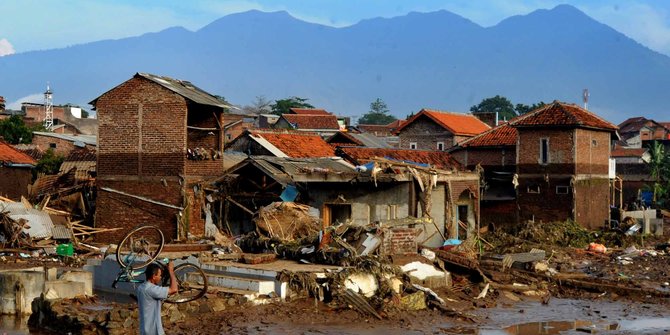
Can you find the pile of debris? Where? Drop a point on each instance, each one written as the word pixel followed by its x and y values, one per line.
pixel 286 221
pixel 29 227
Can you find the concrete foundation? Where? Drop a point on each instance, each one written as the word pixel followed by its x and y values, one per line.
pixel 18 288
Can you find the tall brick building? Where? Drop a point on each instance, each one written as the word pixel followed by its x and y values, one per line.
pixel 158 139
pixel 562 164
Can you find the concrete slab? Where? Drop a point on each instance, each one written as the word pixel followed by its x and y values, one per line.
pixel 65 288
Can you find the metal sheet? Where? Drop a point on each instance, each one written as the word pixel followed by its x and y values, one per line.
pixel 40 223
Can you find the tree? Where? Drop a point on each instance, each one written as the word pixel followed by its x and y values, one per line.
pixel 260 105
pixel 523 108
pixel 284 105
pixel 659 169
pixel 15 131
pixel 378 114
pixel 49 164
pixel 499 104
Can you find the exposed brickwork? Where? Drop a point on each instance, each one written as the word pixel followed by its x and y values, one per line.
pixel 547 205
pixel 145 124
pixel 398 241
pixel 37 112
pixel 14 181
pixel 145 131
pixel 425 133
pixel 486 157
pixel 593 151
pixel 502 214
pixel 117 210
pixel 561 151
pixel 591 197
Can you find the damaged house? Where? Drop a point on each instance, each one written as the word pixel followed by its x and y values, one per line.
pixel 562 164
pixel 494 151
pixel 381 191
pixel 15 172
pixel 158 139
pixel 551 164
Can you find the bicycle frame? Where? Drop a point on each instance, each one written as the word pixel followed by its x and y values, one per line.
pixel 127 274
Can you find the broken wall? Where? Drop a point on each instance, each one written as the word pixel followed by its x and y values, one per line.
pixel 368 203
pixel 117 210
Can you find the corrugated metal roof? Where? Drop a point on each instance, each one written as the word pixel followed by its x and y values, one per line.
pixel 187 90
pixel 86 139
pixel 60 232
pixel 40 223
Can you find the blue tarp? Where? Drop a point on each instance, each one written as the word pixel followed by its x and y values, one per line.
pixel 289 194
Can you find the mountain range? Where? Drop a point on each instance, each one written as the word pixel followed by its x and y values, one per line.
pixel 435 60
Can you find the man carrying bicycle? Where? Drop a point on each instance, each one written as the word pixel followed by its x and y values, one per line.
pixel 150 296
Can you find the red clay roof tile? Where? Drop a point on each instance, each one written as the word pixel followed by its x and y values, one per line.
pixel 297 144
pixel 10 155
pixel 502 135
pixel 302 121
pixel 562 114
pixel 309 111
pixel 628 152
pixel 438 159
pixel 456 123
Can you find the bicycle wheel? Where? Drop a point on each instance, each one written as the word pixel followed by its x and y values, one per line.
pixel 140 247
pixel 191 283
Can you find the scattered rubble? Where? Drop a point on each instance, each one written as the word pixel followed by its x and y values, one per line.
pixel 536 261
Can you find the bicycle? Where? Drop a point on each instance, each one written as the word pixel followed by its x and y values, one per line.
pixel 140 247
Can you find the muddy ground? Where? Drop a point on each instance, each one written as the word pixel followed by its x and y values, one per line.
pixel 636 301
pixel 505 316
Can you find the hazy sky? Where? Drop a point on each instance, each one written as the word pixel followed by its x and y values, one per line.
pixel 27 25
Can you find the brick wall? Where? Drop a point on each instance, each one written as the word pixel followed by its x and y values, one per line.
pixel 593 151
pixel 210 141
pixel 502 214
pixel 546 205
pixel 470 157
pixel 14 182
pixel 398 241
pixel 592 202
pixel 561 151
pixel 38 112
pixel 142 130
pixel 117 210
pixel 426 133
